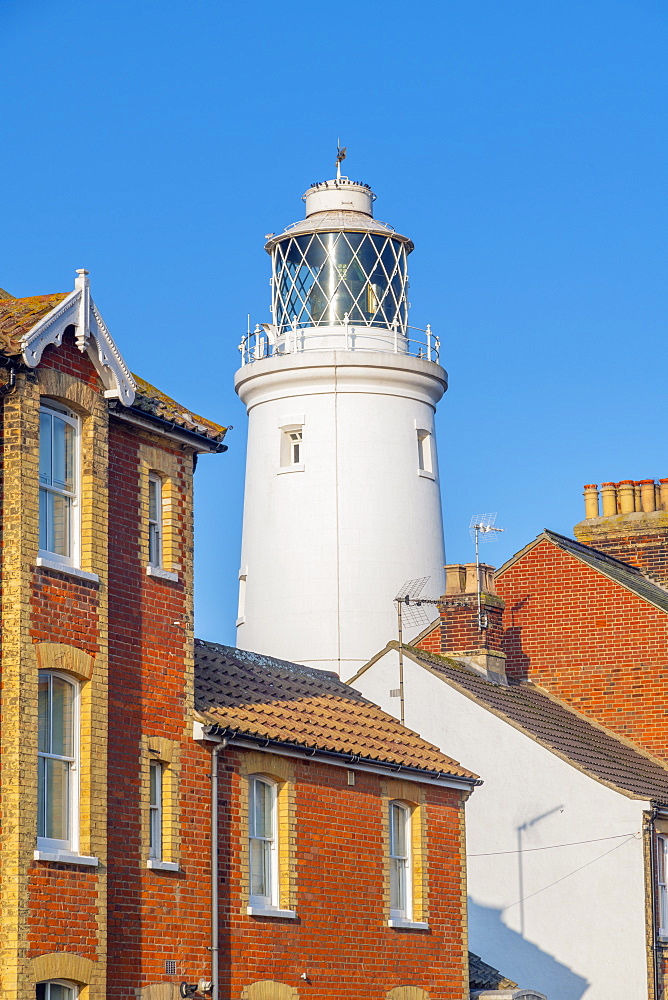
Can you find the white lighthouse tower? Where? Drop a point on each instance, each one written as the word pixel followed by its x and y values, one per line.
pixel 342 501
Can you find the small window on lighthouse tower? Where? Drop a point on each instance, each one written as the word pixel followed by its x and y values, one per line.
pixel 292 450
pixel 425 457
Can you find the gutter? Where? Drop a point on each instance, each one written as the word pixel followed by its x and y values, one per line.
pixel 203 731
pixel 148 421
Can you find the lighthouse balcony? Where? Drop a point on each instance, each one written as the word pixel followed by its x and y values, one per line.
pixel 266 341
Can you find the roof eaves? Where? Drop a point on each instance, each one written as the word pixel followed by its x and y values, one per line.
pixel 215 730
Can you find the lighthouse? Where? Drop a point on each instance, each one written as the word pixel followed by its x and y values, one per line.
pixel 342 497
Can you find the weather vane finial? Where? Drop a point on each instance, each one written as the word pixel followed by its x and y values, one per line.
pixel 340 157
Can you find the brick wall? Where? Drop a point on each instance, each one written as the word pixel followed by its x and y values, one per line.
pixel 341 939
pixel 589 641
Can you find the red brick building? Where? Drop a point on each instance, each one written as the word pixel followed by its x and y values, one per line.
pixel 584 621
pixel 341 858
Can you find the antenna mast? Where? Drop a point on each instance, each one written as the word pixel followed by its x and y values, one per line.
pixel 480 529
pixel 409 610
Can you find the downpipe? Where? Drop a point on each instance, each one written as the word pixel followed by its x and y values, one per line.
pixel 215 962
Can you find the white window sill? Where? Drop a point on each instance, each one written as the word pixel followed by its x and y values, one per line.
pixel 291 468
pixel 81 574
pixel 65 857
pixel 162 866
pixel 162 574
pixel 408 925
pixel 426 475
pixel 270 911
pixel 241 621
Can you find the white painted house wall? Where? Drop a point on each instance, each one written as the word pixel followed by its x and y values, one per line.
pixel 578 934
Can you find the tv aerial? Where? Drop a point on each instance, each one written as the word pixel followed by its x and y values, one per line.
pixel 481 529
pixel 411 611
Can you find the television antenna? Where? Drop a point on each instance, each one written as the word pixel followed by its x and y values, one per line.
pixel 481 529
pixel 410 612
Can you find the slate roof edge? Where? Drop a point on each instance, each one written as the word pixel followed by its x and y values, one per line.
pixel 416 656
pixel 215 731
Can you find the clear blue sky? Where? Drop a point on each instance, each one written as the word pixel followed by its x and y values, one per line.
pixel 520 143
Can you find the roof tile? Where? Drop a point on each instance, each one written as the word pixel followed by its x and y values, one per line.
pixel 17 316
pixel 274 699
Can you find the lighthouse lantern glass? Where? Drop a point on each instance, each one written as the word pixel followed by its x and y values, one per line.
pixel 320 278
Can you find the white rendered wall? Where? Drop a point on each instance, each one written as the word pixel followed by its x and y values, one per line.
pixel 578 935
pixel 326 548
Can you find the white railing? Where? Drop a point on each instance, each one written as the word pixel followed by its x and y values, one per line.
pixel 266 342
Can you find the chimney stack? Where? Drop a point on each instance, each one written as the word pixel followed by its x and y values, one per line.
pixel 632 525
pixel 459 634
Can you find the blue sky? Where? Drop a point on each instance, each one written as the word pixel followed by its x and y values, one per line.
pixel 520 144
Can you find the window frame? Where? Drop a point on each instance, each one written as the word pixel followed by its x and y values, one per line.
pixel 71 843
pixel 425 452
pixel 53 407
pixel 156 812
pixel 156 525
pixel 292 437
pixel 271 901
pixel 662 884
pixel 405 913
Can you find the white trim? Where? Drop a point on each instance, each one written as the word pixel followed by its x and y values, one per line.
pixel 388 770
pixel 264 911
pixel 48 562
pixel 79 310
pixel 402 916
pixel 54 409
pixel 408 925
pixel 51 845
pixel 290 468
pixel 163 866
pixel 270 901
pixel 161 574
pixel 65 857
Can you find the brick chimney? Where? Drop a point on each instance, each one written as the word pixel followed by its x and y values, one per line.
pixel 459 633
pixel 629 520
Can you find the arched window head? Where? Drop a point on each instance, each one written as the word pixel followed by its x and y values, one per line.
pixel 58 749
pixel 262 846
pixel 401 904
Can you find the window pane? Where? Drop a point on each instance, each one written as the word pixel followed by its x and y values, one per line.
pixel 398 832
pixel 152 500
pixel 62 470
pixel 261 811
pixel 43 517
pixel 154 554
pixel 59 992
pixel 154 771
pixel 45 448
pixel 260 868
pixel 41 797
pixel 40 991
pixel 397 884
pixel 44 742
pixel 57 787
pixel 62 700
pixel 58 524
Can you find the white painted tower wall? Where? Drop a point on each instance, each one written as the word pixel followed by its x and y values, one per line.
pixel 329 540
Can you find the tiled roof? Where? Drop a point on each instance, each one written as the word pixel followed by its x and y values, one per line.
pixel 559 728
pixel 485 977
pixel 273 699
pixel 17 316
pixel 627 576
pixel 158 404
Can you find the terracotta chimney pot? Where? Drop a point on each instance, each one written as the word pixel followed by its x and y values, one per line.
pixel 591 500
pixel 609 499
pixel 626 493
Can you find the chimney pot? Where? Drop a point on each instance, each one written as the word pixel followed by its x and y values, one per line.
pixel 591 500
pixel 647 495
pixel 609 499
pixel 626 493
